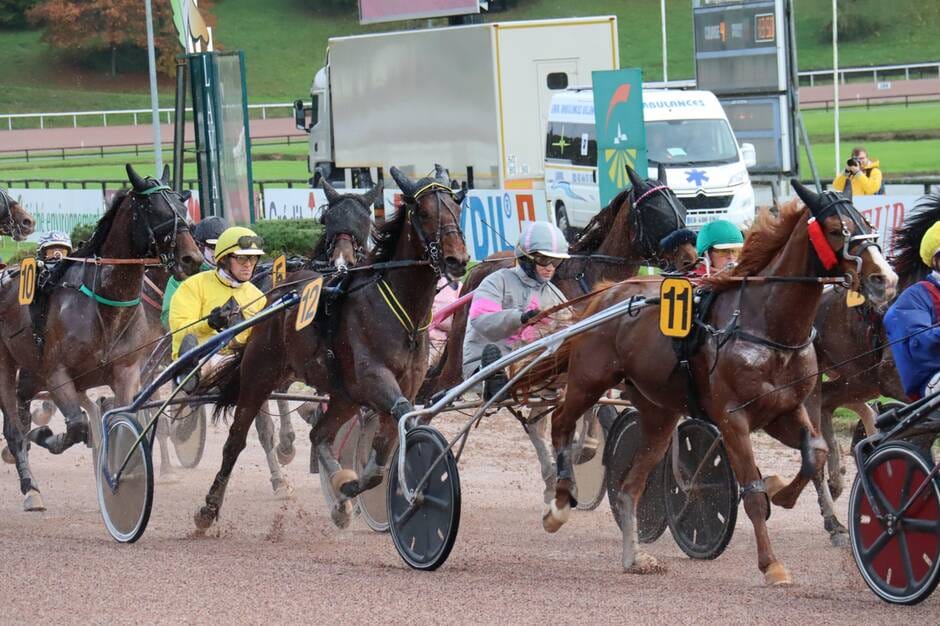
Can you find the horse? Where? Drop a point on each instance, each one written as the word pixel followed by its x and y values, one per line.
pixel 749 370
pixel 369 348
pixel 15 221
pixel 93 327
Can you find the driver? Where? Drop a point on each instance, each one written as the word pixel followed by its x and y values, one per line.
pixel 204 295
pixel 206 233
pixel 910 324
pixel 718 243
pixel 510 297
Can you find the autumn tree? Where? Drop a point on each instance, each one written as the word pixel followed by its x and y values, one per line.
pixel 88 28
pixel 13 12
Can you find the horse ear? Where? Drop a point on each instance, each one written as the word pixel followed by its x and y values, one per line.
pixel 459 197
pixel 440 172
pixel 331 194
pixel 634 178
pixel 370 196
pixel 809 197
pixel 404 183
pixel 661 174
pixel 847 190
pixel 138 183
pixel 165 178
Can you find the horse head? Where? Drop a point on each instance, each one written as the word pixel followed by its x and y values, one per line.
pixel 434 211
pixel 161 225
pixel 844 241
pixel 656 212
pixel 348 221
pixel 15 221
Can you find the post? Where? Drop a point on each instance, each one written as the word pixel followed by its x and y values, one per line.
pixel 835 77
pixel 179 128
pixel 662 10
pixel 154 101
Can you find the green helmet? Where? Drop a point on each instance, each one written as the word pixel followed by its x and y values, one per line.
pixel 720 234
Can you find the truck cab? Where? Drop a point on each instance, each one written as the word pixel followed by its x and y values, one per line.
pixel 686 131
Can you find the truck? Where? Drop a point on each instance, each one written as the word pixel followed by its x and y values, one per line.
pixel 473 98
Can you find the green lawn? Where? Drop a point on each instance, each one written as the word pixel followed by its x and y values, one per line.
pixel 888 118
pixel 897 158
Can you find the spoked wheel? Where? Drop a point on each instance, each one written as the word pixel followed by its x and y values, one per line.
pixel 125 508
pixel 424 533
pixel 188 433
pixel 373 504
pixel 898 551
pixel 588 467
pixel 623 441
pixel 701 491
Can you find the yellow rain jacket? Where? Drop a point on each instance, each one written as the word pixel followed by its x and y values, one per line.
pixel 866 183
pixel 198 295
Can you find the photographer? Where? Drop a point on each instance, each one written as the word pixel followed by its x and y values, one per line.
pixel 864 174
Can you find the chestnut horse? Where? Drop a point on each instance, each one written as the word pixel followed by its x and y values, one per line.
pixel 369 348
pixel 753 369
pixel 15 221
pixel 93 325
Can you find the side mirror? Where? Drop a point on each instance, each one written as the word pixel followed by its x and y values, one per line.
pixel 300 116
pixel 749 154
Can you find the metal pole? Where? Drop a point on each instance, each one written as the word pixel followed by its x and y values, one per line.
pixel 835 77
pixel 179 130
pixel 662 9
pixel 154 101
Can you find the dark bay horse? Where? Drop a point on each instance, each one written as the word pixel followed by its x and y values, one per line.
pixel 15 221
pixel 753 369
pixel 93 326
pixel 367 349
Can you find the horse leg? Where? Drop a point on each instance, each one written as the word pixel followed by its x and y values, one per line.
pixel 342 481
pixel 14 432
pixel 796 430
pixel 285 439
pixel 838 534
pixel 265 427
pixel 834 466
pixel 538 435
pixel 376 467
pixel 866 414
pixel 67 398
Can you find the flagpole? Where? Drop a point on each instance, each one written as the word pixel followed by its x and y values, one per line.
pixel 154 100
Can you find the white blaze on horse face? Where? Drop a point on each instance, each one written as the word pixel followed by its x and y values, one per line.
pixel 340 262
pixel 889 277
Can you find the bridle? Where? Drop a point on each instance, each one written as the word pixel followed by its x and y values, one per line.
pixel 673 203
pixel 866 238
pixel 434 249
pixel 7 222
pixel 160 238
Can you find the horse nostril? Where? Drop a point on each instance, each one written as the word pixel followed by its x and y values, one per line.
pixel 28 223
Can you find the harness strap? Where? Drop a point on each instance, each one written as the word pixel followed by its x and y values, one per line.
pixel 106 261
pixel 746 336
pixel 107 301
pixel 153 286
pixel 399 311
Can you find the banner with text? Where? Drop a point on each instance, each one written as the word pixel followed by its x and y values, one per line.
pixel 621 136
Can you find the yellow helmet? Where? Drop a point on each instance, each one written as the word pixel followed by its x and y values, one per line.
pixel 930 244
pixel 238 240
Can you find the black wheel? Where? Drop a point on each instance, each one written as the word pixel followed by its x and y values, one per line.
pixel 701 491
pixel 623 441
pixel 126 507
pixel 373 504
pixel 589 471
pixel 424 533
pixel 188 433
pixel 898 551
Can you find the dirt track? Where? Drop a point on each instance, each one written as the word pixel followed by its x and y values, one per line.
pixel 284 562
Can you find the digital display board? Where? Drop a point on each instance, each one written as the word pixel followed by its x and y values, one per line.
pixel 372 11
pixel 765 122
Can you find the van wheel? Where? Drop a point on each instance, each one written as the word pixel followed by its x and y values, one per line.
pixel 561 220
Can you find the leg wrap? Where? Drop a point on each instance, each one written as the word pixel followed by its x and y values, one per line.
pixel 401 407
pixel 756 486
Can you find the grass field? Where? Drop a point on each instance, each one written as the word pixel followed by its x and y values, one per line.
pixel 285 42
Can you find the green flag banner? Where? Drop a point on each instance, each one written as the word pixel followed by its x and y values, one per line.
pixel 621 136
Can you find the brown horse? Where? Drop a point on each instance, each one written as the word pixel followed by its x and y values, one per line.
pixel 750 371
pixel 93 328
pixel 367 349
pixel 15 221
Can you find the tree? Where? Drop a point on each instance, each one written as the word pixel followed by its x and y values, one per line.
pixel 13 12
pixel 87 28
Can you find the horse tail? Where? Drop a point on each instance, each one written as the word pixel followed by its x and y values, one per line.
pixel 226 381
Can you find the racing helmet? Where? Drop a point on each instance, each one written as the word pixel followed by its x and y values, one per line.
pixel 207 231
pixel 542 238
pixel 930 244
pixel 54 238
pixel 238 240
pixel 720 234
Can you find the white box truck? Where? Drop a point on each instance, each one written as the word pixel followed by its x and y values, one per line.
pixel 473 98
pixel 687 131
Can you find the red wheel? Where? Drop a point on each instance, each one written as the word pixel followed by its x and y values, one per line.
pixel 895 535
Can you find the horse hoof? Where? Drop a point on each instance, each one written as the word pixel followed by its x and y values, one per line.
pixel 645 564
pixel 839 540
pixel 204 518
pixel 777 575
pixel 344 481
pixel 285 455
pixel 33 501
pixel 282 490
pixel 44 416
pixel 774 485
pixel 7 455
pixel 342 514
pixel 588 450
pixel 835 489
pixel 554 518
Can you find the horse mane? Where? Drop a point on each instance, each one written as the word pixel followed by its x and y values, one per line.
pixel 764 240
pixel 387 235
pixel 907 262
pixel 102 228
pixel 599 227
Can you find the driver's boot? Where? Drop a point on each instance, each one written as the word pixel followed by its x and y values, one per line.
pixel 497 380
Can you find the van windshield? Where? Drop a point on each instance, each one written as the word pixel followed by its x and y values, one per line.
pixel 691 142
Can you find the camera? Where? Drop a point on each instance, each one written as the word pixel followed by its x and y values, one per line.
pixel 853 162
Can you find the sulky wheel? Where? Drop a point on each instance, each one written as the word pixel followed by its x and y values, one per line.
pixel 188 434
pixel 424 533
pixel 589 470
pixel 897 550
pixel 126 507
pixel 701 491
pixel 622 443
pixel 373 504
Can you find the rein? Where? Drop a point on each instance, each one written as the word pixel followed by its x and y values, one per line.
pixel 149 262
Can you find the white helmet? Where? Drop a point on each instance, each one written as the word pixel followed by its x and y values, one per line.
pixel 55 238
pixel 542 238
